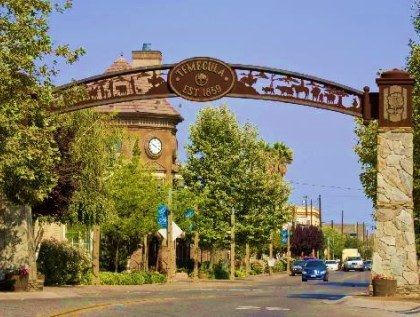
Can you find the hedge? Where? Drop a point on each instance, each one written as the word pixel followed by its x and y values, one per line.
pixel 133 278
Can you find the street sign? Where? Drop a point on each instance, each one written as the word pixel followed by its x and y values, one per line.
pixel 162 216
pixel 284 235
pixel 176 232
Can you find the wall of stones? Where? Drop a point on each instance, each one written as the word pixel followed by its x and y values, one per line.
pixel 394 241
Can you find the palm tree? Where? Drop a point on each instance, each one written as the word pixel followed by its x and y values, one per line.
pixel 281 156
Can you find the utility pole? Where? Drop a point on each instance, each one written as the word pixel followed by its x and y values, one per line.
pixel 320 211
pixel 342 222
pixel 306 206
pixel 288 249
pixel 364 230
pixel 195 251
pixel 170 243
pixel 311 212
pixel 332 224
pixel 294 217
pixel 357 230
pixel 232 245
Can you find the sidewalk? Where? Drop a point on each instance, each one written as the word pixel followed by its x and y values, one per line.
pixel 402 305
pixel 61 292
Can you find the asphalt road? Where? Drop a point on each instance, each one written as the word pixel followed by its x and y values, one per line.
pixel 277 296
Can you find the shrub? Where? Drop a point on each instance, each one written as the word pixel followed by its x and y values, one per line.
pixel 241 273
pixel 280 266
pixel 221 271
pixel 205 270
pixel 156 277
pixel 87 278
pixel 61 263
pixel 134 278
pixel 257 267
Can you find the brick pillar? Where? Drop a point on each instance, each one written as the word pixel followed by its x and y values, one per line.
pixel 394 242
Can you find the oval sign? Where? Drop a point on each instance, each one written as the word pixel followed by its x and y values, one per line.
pixel 201 79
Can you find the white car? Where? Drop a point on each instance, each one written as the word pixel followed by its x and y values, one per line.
pixel 353 263
pixel 332 265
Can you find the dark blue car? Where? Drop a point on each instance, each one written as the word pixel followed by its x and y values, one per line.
pixel 314 270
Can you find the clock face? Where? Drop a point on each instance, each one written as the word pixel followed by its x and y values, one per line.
pixel 155 146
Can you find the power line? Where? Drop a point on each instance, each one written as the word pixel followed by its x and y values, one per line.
pixel 325 186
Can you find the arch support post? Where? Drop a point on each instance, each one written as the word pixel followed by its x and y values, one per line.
pixel 394 241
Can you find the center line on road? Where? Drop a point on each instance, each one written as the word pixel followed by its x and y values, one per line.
pixel 248 307
pixel 277 308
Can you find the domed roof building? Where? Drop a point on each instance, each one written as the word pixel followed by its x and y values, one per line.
pixel 147 120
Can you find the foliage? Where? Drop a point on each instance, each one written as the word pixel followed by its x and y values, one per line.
pixel 62 263
pixel 28 60
pixel 93 150
pixel 240 273
pixel 135 194
pixel 206 269
pixel 279 266
pixel 228 170
pixel 221 271
pixel 133 278
pixel 87 156
pixel 211 171
pixel 304 239
pixel 414 69
pixel 334 240
pixel 257 267
pixel 366 149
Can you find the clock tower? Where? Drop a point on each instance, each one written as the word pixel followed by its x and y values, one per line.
pixel 151 122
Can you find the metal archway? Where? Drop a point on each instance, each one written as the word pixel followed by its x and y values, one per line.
pixel 249 82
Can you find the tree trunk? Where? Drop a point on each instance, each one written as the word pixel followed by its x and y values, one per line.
pixel 247 262
pixel 95 254
pixel 195 255
pixel 145 253
pixel 212 256
pixel 270 271
pixel 232 245
pixel 27 210
pixel 171 251
pixel 116 259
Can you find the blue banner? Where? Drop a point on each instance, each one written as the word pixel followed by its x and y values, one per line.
pixel 284 235
pixel 162 216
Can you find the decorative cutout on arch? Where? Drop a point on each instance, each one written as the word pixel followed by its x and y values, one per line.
pixel 253 82
pixel 280 85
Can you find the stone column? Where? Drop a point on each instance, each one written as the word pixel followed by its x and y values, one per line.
pixel 394 242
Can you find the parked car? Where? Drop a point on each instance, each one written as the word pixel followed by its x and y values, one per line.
pixel 314 270
pixel 353 263
pixel 297 267
pixel 368 265
pixel 332 265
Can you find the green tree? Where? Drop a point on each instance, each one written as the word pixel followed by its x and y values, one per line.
pixel 135 194
pixel 334 241
pixel 227 168
pixel 28 62
pixel 211 172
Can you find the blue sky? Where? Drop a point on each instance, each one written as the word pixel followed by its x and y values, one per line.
pixel 344 41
